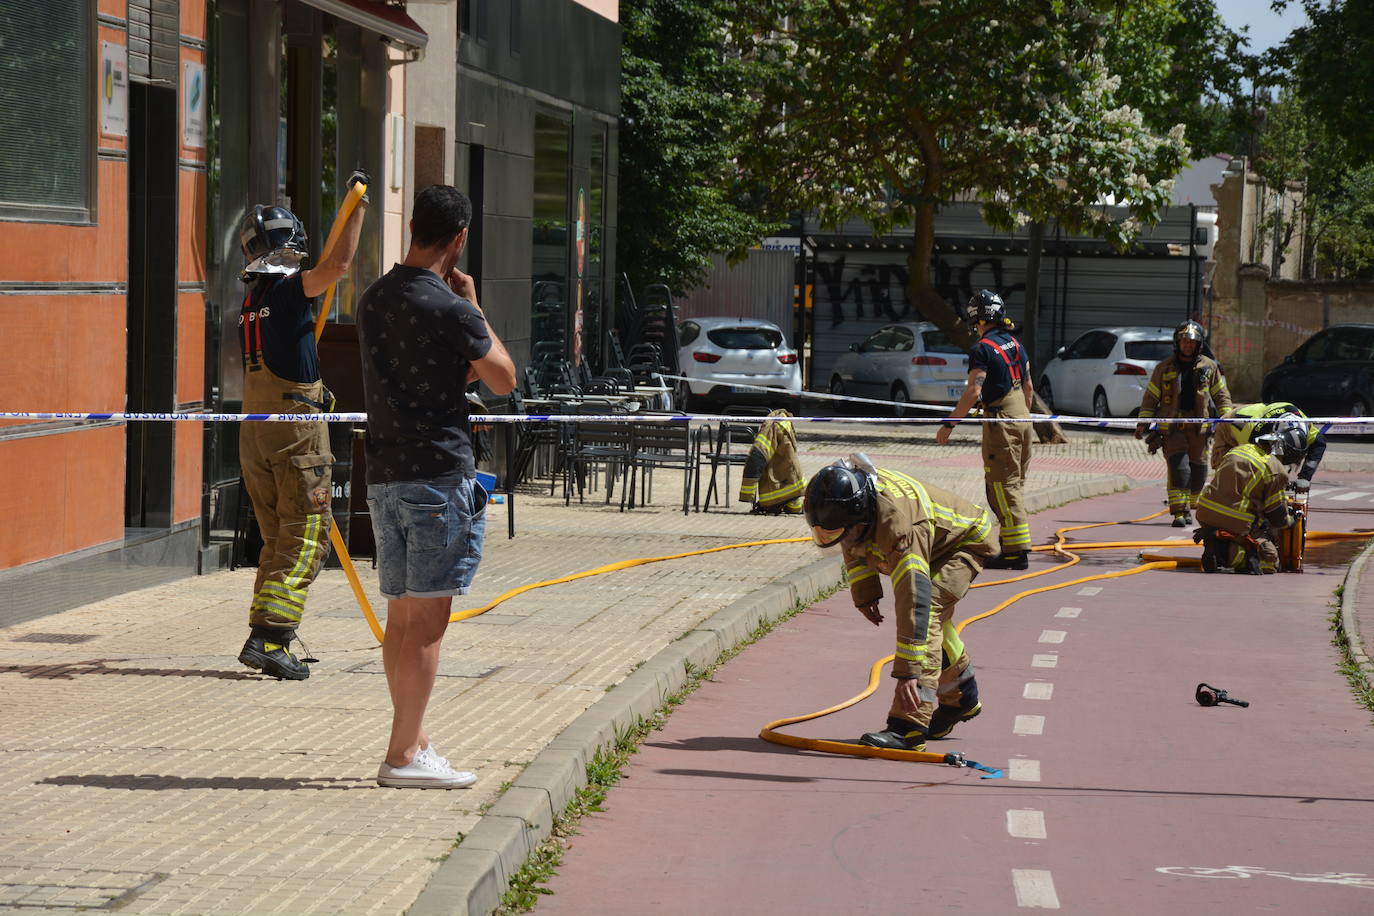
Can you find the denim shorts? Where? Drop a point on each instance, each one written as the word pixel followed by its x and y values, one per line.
pixel 429 537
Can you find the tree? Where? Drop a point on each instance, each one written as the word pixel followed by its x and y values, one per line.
pixel 1331 63
pixel 681 83
pixel 888 110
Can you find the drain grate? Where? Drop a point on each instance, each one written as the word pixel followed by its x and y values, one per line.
pixel 69 638
pixel 74 889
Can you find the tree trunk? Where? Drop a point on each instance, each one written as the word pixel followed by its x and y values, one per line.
pixel 935 309
pixel 1046 431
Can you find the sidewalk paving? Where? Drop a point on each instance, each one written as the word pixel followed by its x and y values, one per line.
pixel 145 769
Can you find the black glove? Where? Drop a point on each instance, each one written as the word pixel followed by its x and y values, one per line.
pixel 359 176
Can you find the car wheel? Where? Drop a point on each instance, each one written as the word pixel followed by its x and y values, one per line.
pixel 1046 393
pixel 684 397
pixel 1100 408
pixel 899 394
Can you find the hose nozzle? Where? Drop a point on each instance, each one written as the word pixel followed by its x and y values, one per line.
pixel 1207 695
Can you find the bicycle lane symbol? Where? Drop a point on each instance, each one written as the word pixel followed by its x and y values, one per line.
pixel 1346 879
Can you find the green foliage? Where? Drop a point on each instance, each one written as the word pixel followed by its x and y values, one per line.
pixel 1331 62
pixel 1344 229
pixel 681 83
pixel 886 110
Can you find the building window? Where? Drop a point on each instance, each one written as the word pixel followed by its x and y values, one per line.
pixel 549 272
pixel 47 158
pixel 515 28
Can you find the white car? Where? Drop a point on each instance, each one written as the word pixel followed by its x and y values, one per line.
pixel 1104 372
pixel 723 358
pixel 914 361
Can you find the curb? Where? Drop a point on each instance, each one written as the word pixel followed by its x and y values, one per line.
pixel 1349 622
pixel 473 878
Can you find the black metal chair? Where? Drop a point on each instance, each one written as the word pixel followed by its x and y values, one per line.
pixel 665 445
pixel 728 436
pixel 598 442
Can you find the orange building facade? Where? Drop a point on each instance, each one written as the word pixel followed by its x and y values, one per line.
pixel 102 295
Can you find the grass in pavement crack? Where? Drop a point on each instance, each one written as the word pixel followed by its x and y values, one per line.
pixel 605 769
pixel 1360 684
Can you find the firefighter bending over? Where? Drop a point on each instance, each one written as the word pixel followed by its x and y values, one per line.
pixel 772 481
pixel 1246 499
pixel 932 544
pixel 1229 435
pixel 999 379
pixel 1186 384
pixel 285 466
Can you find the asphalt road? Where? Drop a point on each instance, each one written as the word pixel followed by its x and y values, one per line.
pixel 1123 795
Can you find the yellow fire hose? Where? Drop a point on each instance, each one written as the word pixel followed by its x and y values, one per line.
pixel 1150 561
pixel 350 204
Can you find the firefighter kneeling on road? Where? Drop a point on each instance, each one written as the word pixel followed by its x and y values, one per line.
pixel 1186 384
pixel 772 481
pixel 932 544
pixel 1229 435
pixel 1246 499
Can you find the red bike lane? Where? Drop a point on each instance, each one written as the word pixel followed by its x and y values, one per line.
pixel 1122 794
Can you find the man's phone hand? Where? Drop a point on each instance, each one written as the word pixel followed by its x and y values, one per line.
pixel 462 284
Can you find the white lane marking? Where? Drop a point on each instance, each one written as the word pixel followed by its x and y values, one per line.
pixel 1026 824
pixel 1349 879
pixel 1034 889
pixel 1089 590
pixel 1028 725
pixel 1052 636
pixel 1024 770
pixel 1068 612
pixel 1319 491
pixel 1044 661
pixel 1038 690
pixel 1347 497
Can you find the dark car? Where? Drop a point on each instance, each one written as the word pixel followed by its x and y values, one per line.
pixel 1332 374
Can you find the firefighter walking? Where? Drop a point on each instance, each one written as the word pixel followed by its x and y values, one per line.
pixel 1246 500
pixel 999 379
pixel 772 481
pixel 1186 384
pixel 286 467
pixel 932 544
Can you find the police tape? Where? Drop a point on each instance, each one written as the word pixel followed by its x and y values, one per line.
pixel 650 417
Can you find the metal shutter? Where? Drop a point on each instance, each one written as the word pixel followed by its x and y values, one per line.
pixel 153 40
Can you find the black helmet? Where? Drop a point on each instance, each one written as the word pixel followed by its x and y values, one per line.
pixel 838 497
pixel 1285 438
pixel 1189 330
pixel 273 241
pixel 986 306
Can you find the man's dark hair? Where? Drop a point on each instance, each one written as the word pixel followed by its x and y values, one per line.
pixel 441 212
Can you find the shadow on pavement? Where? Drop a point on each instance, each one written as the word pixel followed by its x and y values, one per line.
pixel 1172 793
pixel 68 670
pixel 155 782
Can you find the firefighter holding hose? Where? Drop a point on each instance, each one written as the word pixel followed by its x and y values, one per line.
pixel 286 467
pixel 932 544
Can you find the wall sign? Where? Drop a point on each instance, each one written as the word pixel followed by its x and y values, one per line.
pixel 193 105
pixel 114 89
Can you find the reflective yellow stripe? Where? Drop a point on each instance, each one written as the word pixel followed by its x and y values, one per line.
pixel 263 603
pixel 309 548
pixel 860 573
pixel 294 596
pixel 911 488
pixel 749 490
pixel 906 564
pixel 910 651
pixel 1207 502
pixel 792 489
pixel 764 444
pixel 1152 388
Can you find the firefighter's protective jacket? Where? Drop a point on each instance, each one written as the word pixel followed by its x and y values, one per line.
pixel 1161 399
pixel 1247 486
pixel 772 472
pixel 918 528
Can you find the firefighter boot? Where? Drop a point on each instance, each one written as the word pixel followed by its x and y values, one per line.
pixel 1207 536
pixel 268 650
pixel 900 735
pixel 1250 564
pixel 946 717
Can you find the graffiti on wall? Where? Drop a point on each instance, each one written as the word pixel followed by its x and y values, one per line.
pixel 879 288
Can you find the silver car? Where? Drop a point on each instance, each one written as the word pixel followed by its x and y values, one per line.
pixel 914 361
pixel 1104 372
pixel 725 358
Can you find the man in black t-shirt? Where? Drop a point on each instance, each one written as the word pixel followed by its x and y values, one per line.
pixel 423 339
pixel 285 466
pixel 999 379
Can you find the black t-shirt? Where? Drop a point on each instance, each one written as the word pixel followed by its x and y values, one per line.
pixel 996 354
pixel 277 328
pixel 417 340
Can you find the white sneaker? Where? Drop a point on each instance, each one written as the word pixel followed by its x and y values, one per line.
pixel 424 772
pixel 431 753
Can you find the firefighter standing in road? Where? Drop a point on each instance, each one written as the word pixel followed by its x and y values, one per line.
pixel 1246 499
pixel 999 378
pixel 772 481
pixel 1186 384
pixel 1229 435
pixel 285 466
pixel 932 544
